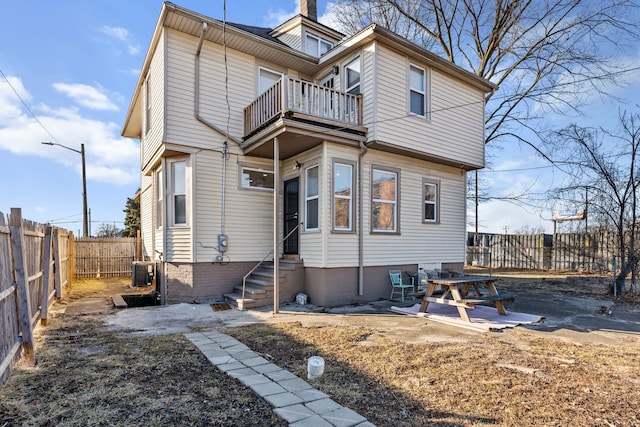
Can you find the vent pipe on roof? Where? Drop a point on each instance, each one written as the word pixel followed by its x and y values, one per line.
pixel 308 8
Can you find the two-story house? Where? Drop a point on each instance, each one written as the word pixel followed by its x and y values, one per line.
pixel 344 156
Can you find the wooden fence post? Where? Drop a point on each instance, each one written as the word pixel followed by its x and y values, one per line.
pixel 71 262
pixel 46 277
pixel 57 262
pixel 22 283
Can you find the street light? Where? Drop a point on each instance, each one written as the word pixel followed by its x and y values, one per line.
pixel 85 222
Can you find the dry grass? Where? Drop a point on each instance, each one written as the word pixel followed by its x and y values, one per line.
pixel 86 375
pixel 483 381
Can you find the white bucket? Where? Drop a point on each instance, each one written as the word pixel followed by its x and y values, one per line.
pixel 301 298
pixel 315 367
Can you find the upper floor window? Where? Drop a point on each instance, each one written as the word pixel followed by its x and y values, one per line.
pixel 417 91
pixel 257 178
pixel 352 77
pixel 311 196
pixel 178 192
pixel 316 46
pixel 384 200
pixel 266 79
pixel 431 197
pixel 342 196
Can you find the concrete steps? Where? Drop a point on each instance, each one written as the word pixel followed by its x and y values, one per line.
pixel 259 286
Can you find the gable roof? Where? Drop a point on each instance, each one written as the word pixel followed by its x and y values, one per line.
pixel 260 42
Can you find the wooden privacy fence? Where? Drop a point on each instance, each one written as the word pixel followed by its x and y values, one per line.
pixel 104 257
pixel 563 251
pixel 34 268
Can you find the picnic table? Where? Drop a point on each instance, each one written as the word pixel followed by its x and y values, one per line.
pixel 456 293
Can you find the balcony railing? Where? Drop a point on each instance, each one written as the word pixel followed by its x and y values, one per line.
pixel 291 96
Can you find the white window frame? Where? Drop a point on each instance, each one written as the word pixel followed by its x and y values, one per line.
pixel 310 198
pixel 177 192
pixel 263 171
pixel 350 197
pixel 435 184
pixel 159 199
pixel 422 92
pixel 315 42
pixel 262 69
pixel 395 203
pixel 345 73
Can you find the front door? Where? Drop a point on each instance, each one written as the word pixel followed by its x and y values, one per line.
pixel 291 189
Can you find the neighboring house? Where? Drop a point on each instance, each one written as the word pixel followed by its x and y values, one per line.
pixel 372 136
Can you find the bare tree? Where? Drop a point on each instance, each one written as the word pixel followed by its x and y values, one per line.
pixel 544 54
pixel 605 164
pixel 108 230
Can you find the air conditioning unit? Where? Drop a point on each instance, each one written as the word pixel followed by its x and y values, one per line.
pixel 142 273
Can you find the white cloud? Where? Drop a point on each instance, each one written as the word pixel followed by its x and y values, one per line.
pixel 110 158
pixel 280 15
pixel 9 103
pixel 133 50
pixel 121 35
pixel 328 18
pixel 116 32
pixel 87 96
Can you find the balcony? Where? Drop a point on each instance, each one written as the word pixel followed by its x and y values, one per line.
pixel 301 107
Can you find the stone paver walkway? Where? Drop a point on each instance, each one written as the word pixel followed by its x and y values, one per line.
pixel 292 398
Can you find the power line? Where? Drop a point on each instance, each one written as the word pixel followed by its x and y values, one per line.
pixel 27 107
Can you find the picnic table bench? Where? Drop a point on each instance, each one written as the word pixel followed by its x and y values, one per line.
pixel 456 293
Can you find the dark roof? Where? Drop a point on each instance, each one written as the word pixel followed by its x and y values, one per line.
pixel 263 32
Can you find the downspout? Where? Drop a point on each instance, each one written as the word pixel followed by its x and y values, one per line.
pixel 222 238
pixel 196 109
pixel 364 148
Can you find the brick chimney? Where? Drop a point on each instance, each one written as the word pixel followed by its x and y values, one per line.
pixel 309 9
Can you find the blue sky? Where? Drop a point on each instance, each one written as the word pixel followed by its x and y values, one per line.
pixel 75 63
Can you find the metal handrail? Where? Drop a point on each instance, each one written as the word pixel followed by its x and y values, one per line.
pixel 244 279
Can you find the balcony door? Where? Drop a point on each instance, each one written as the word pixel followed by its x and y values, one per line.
pixel 291 204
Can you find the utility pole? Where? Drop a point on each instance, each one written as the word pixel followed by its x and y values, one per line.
pixel 85 211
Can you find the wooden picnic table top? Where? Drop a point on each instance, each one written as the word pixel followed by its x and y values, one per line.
pixel 462 280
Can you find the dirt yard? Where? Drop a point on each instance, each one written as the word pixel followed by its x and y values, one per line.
pixel 87 375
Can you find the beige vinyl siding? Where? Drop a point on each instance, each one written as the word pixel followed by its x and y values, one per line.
pixel 248 213
pixel 418 242
pixel 368 85
pixel 150 141
pixel 293 38
pixel 455 128
pixel 178 244
pixel 182 126
pixel 146 217
pixel 341 248
pixel 178 237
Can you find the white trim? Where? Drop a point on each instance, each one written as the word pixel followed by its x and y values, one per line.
pixel 255 169
pixel 348 89
pixel 424 91
pixel 259 89
pixel 350 214
pixel 172 193
pixel 308 198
